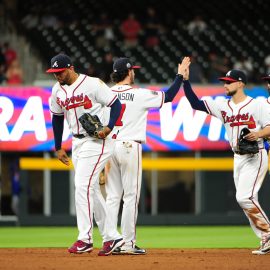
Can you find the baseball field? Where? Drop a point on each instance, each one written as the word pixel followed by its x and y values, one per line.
pixel 191 247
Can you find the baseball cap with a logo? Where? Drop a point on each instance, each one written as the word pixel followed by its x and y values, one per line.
pixel 235 75
pixel 59 63
pixel 266 78
pixel 123 64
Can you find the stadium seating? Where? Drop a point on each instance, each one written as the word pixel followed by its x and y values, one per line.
pixel 235 29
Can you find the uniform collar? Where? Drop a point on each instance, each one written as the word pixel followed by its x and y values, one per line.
pixel 121 87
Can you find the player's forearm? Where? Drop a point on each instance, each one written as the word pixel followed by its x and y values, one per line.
pixel 194 101
pixel 174 88
pixel 264 133
pixel 114 114
pixel 58 128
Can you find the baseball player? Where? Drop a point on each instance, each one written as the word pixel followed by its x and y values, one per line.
pixel 73 95
pixel 125 168
pixel 240 112
pixel 267 79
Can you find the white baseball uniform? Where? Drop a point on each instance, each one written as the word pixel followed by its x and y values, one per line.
pixel 249 170
pixel 89 155
pixel 125 169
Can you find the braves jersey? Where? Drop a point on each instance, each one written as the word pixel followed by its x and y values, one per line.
pixel 85 95
pixel 250 113
pixel 131 124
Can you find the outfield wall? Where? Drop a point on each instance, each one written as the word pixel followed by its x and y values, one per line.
pixel 214 193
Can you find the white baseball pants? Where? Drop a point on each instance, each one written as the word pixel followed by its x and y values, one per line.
pixel 89 158
pixel 124 179
pixel 249 173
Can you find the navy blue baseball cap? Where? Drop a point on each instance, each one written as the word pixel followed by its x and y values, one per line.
pixel 234 75
pixel 59 63
pixel 266 78
pixel 123 64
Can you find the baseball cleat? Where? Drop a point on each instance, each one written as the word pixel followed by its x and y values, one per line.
pixel 110 246
pixel 259 252
pixel 80 247
pixel 264 246
pixel 129 251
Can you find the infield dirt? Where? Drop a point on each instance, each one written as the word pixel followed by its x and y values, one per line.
pixel 59 258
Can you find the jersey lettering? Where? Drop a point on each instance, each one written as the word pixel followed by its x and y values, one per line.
pixel 74 102
pixel 126 96
pixel 119 122
pixel 239 120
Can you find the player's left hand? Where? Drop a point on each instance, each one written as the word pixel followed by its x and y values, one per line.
pixel 102 134
pixel 252 136
pixel 62 156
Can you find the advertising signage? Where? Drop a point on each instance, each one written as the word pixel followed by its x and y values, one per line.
pixel 25 122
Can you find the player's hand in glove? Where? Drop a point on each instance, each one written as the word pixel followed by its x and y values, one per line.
pixel 246 146
pixel 102 134
pixel 62 156
pixel 93 126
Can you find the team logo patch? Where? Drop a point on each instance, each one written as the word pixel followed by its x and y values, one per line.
pixel 55 64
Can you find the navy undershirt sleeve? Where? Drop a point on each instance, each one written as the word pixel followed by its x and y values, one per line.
pixel 194 101
pixel 173 90
pixel 58 128
pixel 114 114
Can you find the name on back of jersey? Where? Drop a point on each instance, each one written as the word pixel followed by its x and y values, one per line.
pixel 126 96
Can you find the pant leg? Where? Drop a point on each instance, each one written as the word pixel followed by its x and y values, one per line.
pixel 90 157
pixel 252 170
pixel 114 191
pixel 100 210
pixel 131 171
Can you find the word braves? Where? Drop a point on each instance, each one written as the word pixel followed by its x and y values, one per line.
pixel 77 101
pixel 235 119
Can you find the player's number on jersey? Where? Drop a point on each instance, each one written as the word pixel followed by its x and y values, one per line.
pixel 119 120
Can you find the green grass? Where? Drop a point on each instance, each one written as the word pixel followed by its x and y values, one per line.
pixel 147 237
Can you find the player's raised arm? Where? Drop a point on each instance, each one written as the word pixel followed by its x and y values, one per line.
pixel 194 101
pixel 174 88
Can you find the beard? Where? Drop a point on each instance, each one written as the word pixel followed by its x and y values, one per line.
pixel 232 93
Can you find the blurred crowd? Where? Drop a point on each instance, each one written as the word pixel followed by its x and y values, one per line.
pixel 11 72
pixel 132 30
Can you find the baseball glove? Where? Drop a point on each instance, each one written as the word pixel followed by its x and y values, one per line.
pixel 91 124
pixel 245 146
